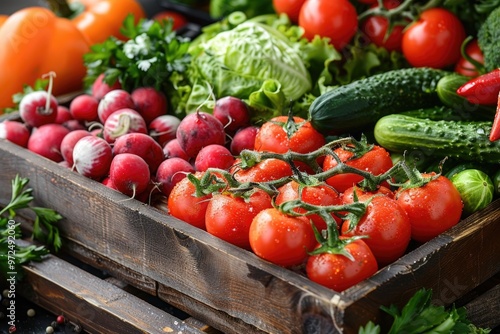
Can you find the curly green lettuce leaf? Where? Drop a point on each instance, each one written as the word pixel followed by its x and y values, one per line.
pixel 238 61
pixel 363 60
pixel 269 101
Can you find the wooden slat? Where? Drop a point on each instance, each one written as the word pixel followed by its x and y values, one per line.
pixel 99 306
pixel 206 273
pixel 115 269
pixel 484 311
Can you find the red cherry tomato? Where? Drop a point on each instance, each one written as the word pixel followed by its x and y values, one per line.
pixel 338 272
pixel 434 40
pixel 264 171
pixel 387 226
pixel 178 20
pixel 335 19
pixel 184 205
pixel 375 161
pixel 229 217
pixel 432 208
pixel 281 239
pixel 348 194
pixel 273 136
pixel 321 194
pixel 465 67
pixel 375 29
pixel 289 7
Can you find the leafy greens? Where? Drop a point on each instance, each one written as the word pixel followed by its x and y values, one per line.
pixel 13 254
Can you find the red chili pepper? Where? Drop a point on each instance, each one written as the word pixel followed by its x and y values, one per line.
pixel 482 89
pixel 495 129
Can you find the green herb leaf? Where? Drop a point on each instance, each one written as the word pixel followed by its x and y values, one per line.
pixel 150 56
pixel 420 316
pixel 12 253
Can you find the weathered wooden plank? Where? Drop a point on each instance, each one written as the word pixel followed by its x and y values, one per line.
pixel 115 269
pixel 207 273
pixel 484 311
pixel 99 306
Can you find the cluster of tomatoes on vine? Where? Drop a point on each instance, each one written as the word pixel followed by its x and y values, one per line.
pixel 332 210
pixel 426 35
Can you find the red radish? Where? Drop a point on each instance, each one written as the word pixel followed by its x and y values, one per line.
pixel 46 141
pixel 69 142
pixel 38 108
pixel 92 157
pixel 108 183
pixel 172 149
pixel 244 139
pixel 141 145
pixel 100 88
pixel 15 132
pixel 170 172
pixel 73 125
pixel 149 102
pixel 130 174
pixel 84 108
pixel 150 195
pixel 97 131
pixel 121 122
pixel 65 164
pixel 63 115
pixel 163 128
pixel 114 100
pixel 197 130
pixel 213 156
pixel 232 112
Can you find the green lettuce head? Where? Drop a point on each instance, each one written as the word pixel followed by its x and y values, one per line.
pixel 238 62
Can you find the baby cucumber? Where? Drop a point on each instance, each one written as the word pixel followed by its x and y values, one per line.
pixel 467 141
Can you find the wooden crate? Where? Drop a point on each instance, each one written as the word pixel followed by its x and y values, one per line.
pixel 99 304
pixel 229 288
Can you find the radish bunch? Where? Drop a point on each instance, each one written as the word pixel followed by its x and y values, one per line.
pixel 127 140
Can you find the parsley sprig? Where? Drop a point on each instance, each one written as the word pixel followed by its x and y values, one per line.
pixel 421 316
pixel 151 54
pixel 13 254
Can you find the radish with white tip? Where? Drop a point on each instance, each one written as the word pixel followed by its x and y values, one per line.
pixel 114 100
pixel 163 128
pixel 39 107
pixel 121 122
pixel 15 132
pixel 92 157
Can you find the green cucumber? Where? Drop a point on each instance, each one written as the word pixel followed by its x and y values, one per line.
pixel 361 103
pixel 438 113
pixel 467 141
pixel 447 92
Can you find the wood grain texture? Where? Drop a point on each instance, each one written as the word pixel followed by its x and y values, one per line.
pixel 484 311
pixel 213 276
pixel 99 306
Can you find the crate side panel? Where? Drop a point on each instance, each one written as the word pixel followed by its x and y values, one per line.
pixel 168 251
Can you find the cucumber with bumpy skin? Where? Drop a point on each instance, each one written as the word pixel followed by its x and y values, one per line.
pixel 357 105
pixel 467 141
pixel 438 113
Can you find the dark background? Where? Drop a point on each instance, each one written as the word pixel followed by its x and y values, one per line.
pixel 9 6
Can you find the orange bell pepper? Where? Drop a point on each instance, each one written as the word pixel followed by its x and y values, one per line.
pixel 98 19
pixel 3 18
pixel 33 42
